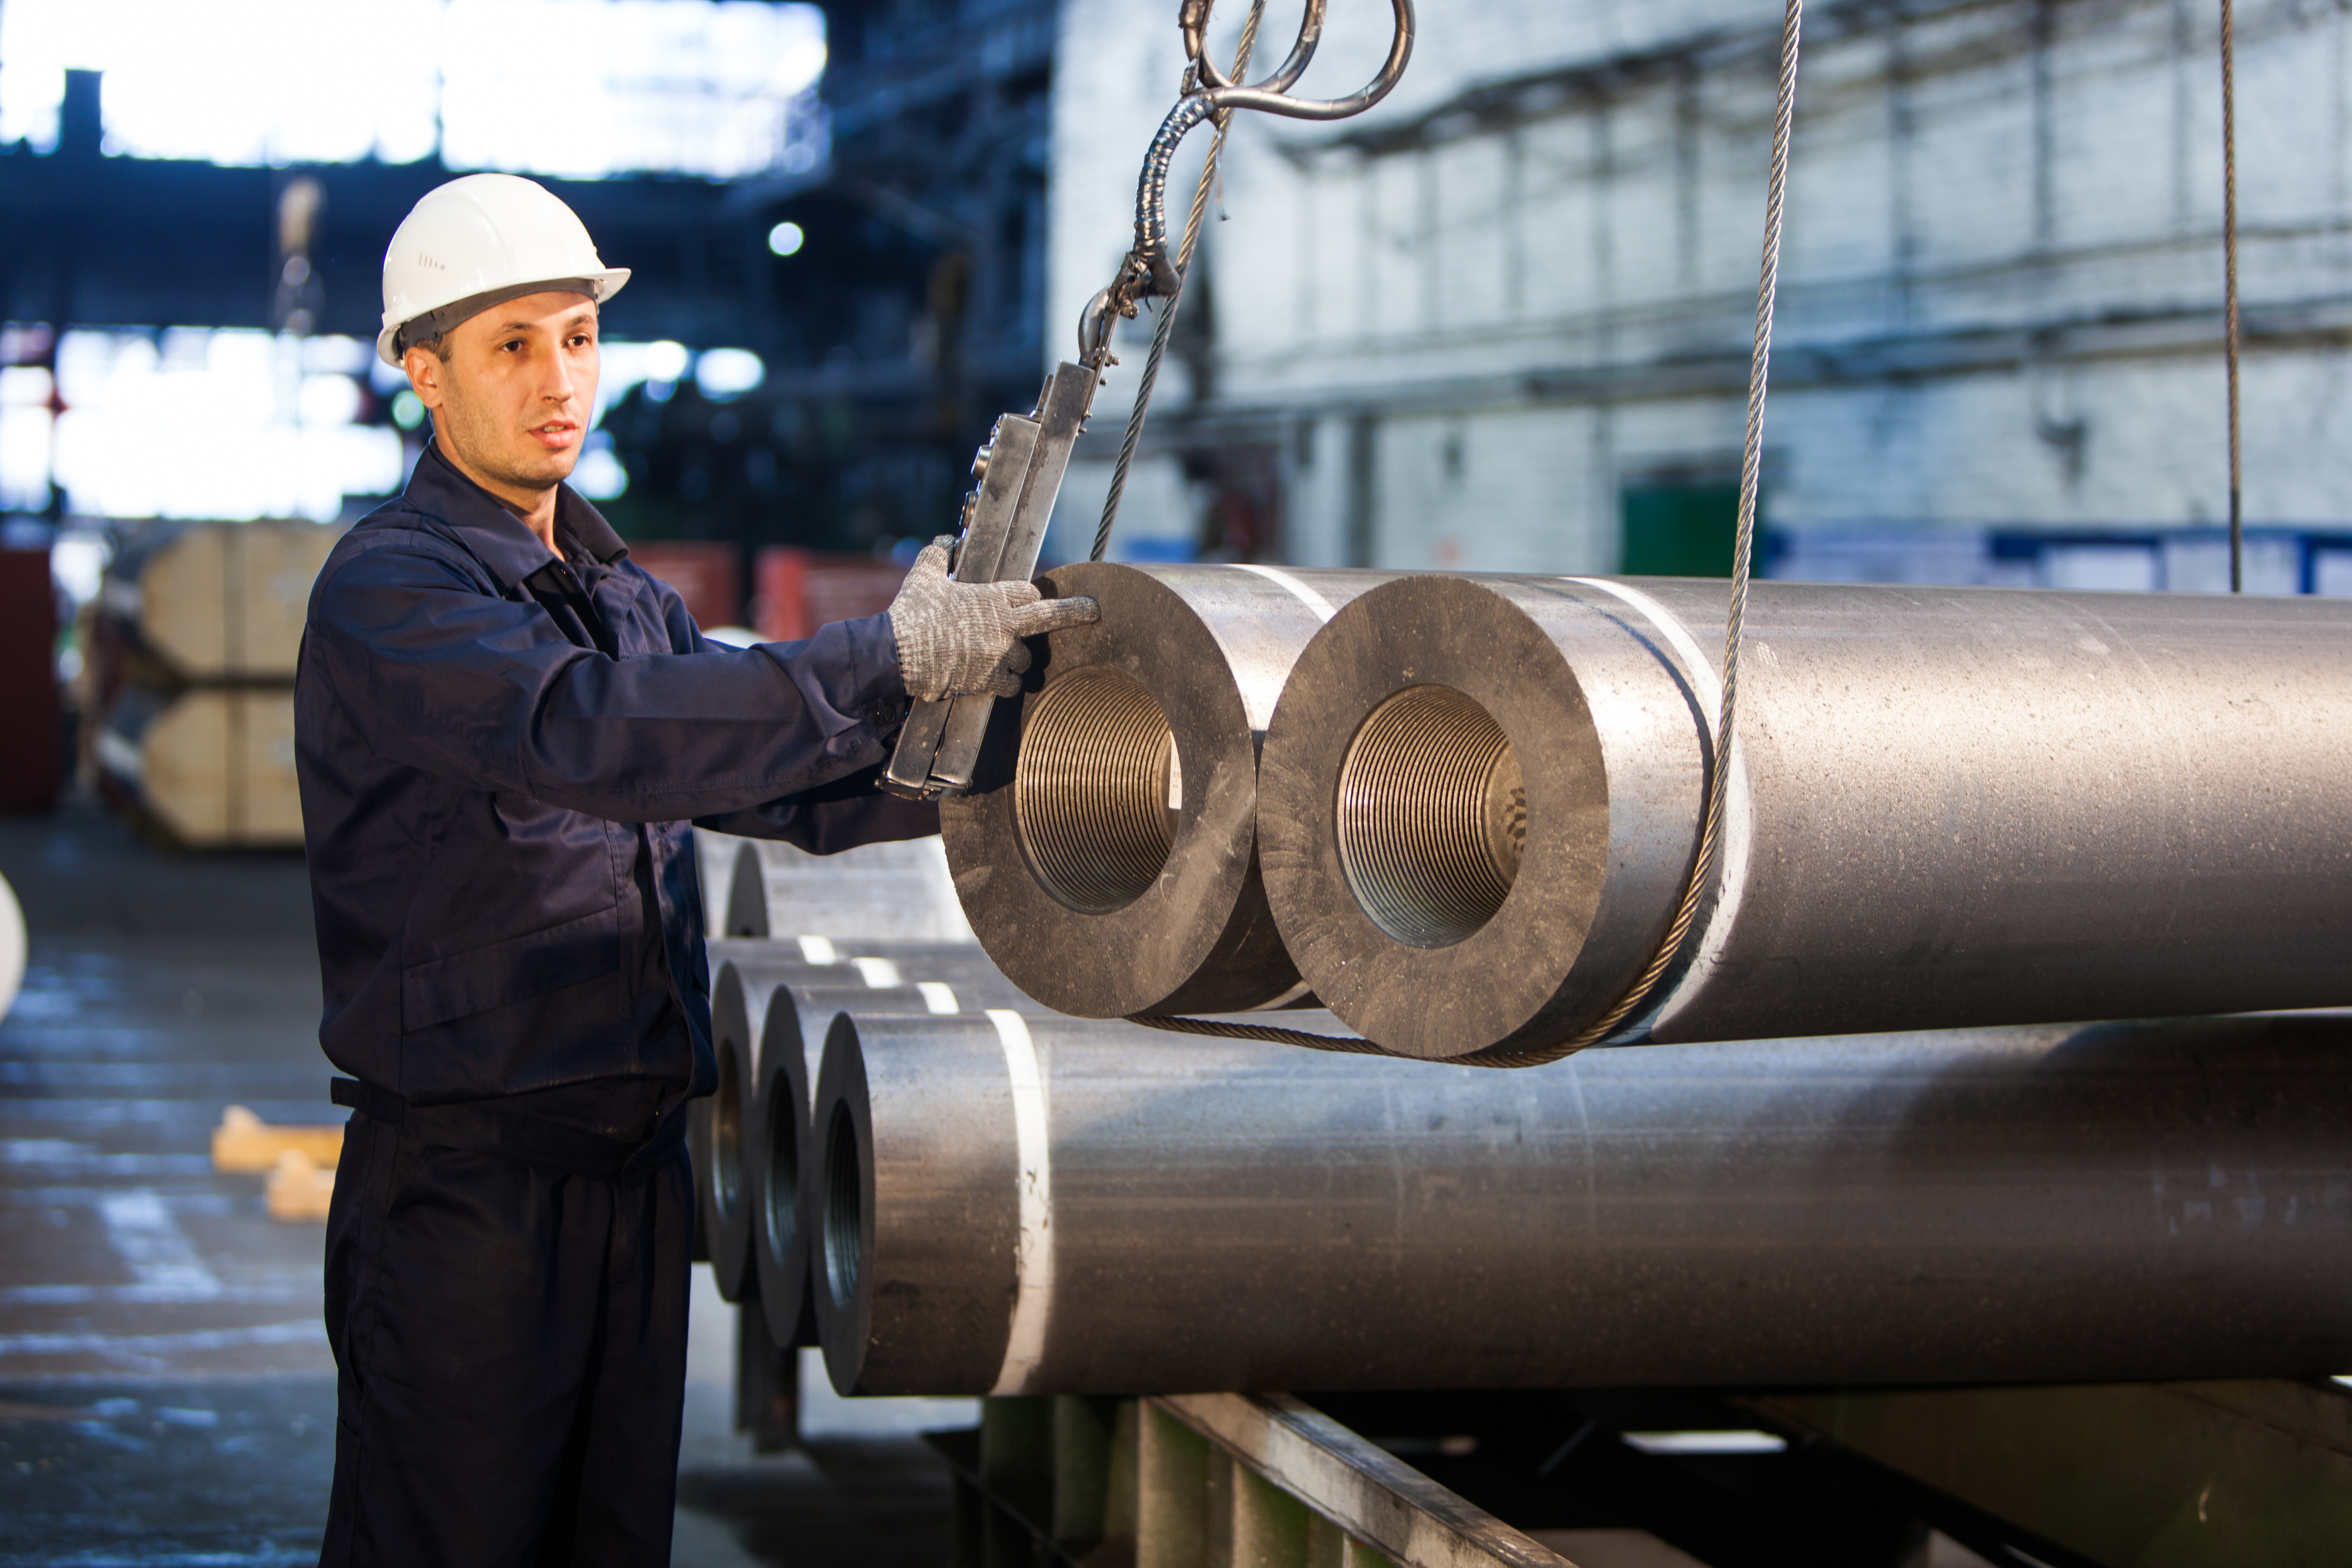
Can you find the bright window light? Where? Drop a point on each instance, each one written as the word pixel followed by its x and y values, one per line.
pixel 786 239
pixel 24 458
pixel 723 373
pixel 622 365
pixel 328 400
pixel 665 361
pixel 600 476
pixel 719 88
pixel 226 424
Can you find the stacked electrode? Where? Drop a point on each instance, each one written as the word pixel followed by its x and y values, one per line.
pixel 188 657
pixel 1460 813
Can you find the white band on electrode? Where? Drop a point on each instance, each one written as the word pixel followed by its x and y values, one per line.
pixel 1032 1300
pixel 1298 590
pixel 818 950
pixel 938 996
pixel 1739 805
pixel 876 973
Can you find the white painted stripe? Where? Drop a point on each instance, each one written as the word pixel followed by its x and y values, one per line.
pixel 1032 1301
pixel 1299 591
pixel 818 950
pixel 938 996
pixel 876 972
pixel 1738 801
pixel 154 1248
pixel 1694 665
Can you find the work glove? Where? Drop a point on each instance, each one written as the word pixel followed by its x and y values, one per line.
pixel 956 637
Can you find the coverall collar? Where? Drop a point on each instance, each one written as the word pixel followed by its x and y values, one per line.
pixel 497 538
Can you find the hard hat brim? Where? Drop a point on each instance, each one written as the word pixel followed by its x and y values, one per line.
pixel 601 286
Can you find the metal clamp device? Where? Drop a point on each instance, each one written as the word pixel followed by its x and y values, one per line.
pixel 1019 471
pixel 1019 474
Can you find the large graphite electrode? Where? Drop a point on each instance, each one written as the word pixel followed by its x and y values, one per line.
pixel 1107 854
pixel 847 961
pixel 891 891
pixel 773 1153
pixel 1035 1205
pixel 1480 801
pixel 740 984
pixel 745 974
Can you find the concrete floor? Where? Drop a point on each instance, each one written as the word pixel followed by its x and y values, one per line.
pixel 166 1394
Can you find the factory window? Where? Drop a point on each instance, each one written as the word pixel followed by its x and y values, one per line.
pixel 231 424
pixel 1678 527
pixel 717 88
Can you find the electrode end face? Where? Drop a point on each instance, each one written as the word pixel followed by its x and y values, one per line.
pixel 1434 821
pixel 1431 816
pixel 779 1254
pixel 1098 790
pixel 843 1207
pixel 1115 872
pixel 917 1226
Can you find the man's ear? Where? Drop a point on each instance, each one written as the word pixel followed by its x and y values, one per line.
pixel 426 375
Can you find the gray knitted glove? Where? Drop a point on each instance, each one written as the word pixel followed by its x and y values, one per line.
pixel 965 636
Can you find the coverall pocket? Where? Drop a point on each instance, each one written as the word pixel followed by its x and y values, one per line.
pixel 501 972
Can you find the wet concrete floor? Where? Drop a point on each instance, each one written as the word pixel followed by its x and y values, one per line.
pixel 166 1394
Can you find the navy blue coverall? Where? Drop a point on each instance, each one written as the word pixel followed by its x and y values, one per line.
pixel 499 751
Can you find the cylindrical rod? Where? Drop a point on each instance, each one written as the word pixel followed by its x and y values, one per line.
pixel 895 892
pixel 1107 857
pixel 728 1151
pixel 1945 807
pixel 844 960
pixel 727 1148
pixel 1052 1206
pixel 773 1178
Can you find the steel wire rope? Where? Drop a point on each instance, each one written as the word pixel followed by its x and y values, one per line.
pixel 1165 327
pixel 2229 289
pixel 1718 769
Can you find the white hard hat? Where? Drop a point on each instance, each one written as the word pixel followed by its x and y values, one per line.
pixel 478 242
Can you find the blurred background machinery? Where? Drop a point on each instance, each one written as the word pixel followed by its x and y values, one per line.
pixel 1502 322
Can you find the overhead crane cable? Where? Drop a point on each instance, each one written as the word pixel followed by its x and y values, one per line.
pixel 1719 772
pixel 1165 328
pixel 2229 290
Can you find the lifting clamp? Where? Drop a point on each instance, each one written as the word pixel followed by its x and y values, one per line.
pixel 1018 473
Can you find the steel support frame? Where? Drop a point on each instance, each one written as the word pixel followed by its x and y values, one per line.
pixel 2189 1475
pixel 1217 1480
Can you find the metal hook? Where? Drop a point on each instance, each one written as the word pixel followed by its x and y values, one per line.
pixel 1272 96
pixel 1193 19
pixel 1148 272
pixel 1150 258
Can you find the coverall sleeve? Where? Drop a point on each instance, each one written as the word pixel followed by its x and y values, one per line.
pixel 829 819
pixel 438 675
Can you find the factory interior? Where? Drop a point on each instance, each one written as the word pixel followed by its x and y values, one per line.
pixel 1674 908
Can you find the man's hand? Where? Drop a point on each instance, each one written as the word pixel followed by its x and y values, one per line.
pixel 956 637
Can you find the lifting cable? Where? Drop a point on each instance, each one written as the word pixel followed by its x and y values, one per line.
pixel 1718 769
pixel 1166 327
pixel 2230 287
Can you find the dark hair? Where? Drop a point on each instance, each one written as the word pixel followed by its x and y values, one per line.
pixel 438 342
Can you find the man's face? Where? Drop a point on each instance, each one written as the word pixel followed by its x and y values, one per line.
pixel 514 398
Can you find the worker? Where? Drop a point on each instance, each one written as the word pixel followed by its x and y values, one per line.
pixel 503 728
